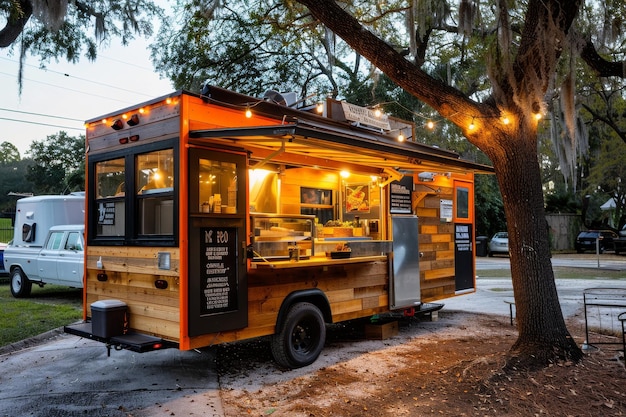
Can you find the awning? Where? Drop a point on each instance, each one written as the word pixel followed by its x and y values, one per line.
pixel 330 145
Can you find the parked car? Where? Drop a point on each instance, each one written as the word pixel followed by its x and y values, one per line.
pixel 2 270
pixel 586 240
pixel 499 243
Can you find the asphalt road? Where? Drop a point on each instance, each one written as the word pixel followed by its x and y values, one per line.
pixel 69 376
pixel 491 293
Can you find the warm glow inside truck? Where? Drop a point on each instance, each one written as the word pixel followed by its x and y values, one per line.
pixel 218 217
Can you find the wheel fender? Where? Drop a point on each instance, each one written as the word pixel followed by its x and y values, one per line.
pixel 13 267
pixel 314 296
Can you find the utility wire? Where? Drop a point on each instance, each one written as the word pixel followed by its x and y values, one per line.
pixel 41 124
pixel 79 78
pixel 41 114
pixel 90 94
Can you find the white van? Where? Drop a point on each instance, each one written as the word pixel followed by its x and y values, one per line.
pixel 48 241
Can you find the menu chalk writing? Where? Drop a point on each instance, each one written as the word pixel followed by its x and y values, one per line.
pixel 400 196
pixel 106 213
pixel 462 238
pixel 218 269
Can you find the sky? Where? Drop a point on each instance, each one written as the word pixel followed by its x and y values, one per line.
pixel 63 96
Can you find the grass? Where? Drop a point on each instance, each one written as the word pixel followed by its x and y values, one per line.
pixel 561 272
pixel 48 308
pixel 6 231
pixel 54 306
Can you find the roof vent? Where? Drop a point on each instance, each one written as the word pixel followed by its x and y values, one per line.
pixel 284 99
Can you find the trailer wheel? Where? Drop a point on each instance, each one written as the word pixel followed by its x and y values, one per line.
pixel 301 338
pixel 20 285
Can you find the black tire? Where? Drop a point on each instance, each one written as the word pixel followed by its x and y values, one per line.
pixel 301 338
pixel 20 285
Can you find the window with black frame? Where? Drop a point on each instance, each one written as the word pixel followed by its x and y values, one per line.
pixel 133 197
pixel 110 191
pixel 154 188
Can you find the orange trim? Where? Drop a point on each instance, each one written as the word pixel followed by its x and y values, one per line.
pixel 183 230
pixel 470 201
pixel 85 234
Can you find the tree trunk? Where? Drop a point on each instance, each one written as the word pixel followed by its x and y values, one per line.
pixel 543 335
pixel 511 147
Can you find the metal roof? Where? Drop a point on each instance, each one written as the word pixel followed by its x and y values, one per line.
pixel 304 138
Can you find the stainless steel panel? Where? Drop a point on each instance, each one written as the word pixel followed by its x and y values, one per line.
pixel 405 279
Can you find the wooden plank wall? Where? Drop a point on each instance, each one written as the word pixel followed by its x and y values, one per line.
pixel 294 178
pixel 436 242
pixel 131 274
pixel 354 290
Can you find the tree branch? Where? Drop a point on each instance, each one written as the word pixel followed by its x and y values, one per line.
pixel 603 67
pixel 606 120
pixel 448 101
pixel 15 25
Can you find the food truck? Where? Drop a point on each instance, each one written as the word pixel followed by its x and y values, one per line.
pixel 218 217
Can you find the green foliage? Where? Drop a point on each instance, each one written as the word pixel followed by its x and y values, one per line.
pixel 6 230
pixel 562 202
pixel 607 178
pixel 255 46
pixel 489 210
pixel 58 164
pixel 48 308
pixel 14 181
pixel 8 153
pixel 84 26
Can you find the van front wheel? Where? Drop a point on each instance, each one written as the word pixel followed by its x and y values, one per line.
pixel 20 285
pixel 301 338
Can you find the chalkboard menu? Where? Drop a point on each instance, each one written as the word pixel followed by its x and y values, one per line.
pixel 400 196
pixel 463 256
pixel 218 269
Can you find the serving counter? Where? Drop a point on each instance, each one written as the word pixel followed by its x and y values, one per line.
pixel 316 261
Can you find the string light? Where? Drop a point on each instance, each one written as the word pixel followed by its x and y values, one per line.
pixel 248 112
pixel 430 125
pixel 537 111
pixel 320 107
pixel 472 126
pixel 400 137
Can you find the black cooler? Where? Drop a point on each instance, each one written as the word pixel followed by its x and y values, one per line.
pixel 109 318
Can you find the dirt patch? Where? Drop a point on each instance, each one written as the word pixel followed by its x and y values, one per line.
pixel 452 367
